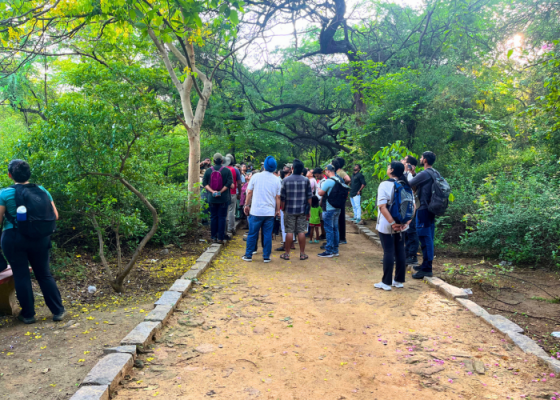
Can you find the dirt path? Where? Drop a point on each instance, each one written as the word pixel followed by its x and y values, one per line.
pixel 317 329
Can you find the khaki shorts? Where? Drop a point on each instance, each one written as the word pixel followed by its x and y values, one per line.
pixel 295 223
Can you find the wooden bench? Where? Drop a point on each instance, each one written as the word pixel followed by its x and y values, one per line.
pixel 8 305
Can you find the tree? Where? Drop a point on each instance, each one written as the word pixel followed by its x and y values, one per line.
pixel 175 28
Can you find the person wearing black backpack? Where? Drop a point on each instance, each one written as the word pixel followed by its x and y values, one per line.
pixel 425 220
pixel 29 214
pixel 334 192
pixel 217 180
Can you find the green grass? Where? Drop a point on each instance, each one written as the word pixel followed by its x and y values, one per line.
pixel 553 301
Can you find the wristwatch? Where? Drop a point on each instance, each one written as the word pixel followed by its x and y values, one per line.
pixel 393 223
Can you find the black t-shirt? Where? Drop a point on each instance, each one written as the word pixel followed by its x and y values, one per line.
pixel 357 181
pixel 227 180
pixel 422 183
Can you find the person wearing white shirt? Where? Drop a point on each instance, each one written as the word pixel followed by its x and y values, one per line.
pixel 389 230
pixel 262 205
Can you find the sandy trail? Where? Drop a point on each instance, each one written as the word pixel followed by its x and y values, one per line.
pixel 317 329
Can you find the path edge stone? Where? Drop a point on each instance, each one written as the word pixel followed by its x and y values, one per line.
pixel 498 322
pixel 368 233
pixel 90 389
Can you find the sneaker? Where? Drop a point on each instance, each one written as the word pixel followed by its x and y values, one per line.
pixel 417 267
pixel 314 241
pixel 281 248
pixel 335 255
pixel 214 240
pixel 266 260
pixel 357 221
pixel 31 320
pixel 352 219
pixel 245 258
pixel 255 252
pixel 322 237
pixel 422 274
pixel 398 284
pixel 323 246
pixel 411 261
pixel 59 317
pixel 343 242
pixel 383 286
pixel 325 255
pixel 220 241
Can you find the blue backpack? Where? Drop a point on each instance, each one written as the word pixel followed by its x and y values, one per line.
pixel 402 207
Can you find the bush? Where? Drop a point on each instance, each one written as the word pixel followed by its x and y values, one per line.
pixel 517 214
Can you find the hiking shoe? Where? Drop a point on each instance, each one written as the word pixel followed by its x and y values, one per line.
pixel 31 320
pixel 422 274
pixel 266 260
pixel 397 284
pixel 343 242
pixel 417 267
pixel 383 286
pixel 59 317
pixel 245 258
pixel 325 254
pixel 411 261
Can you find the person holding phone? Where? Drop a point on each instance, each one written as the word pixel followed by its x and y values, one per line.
pixel 411 236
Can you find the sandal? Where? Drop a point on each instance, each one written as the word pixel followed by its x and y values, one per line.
pixel 303 257
pixel 285 256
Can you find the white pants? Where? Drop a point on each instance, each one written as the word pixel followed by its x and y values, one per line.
pixel 231 213
pixel 282 226
pixel 356 207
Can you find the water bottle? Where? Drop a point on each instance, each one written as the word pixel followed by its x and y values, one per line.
pixel 22 214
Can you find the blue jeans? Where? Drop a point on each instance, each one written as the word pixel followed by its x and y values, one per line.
pixel 218 214
pixel 255 224
pixel 356 206
pixel 426 228
pixel 411 240
pixel 331 228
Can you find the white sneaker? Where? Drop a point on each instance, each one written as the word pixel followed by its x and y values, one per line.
pixel 255 252
pixel 397 284
pixel 247 259
pixel 383 286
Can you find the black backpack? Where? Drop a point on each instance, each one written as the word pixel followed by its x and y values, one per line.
pixel 41 219
pixel 339 194
pixel 440 193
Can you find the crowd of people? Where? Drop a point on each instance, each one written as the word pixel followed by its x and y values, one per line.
pixel 298 203
pixel 302 204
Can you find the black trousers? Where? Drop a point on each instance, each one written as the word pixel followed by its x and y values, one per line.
pixel 218 214
pixel 342 225
pixel 22 252
pixel 393 250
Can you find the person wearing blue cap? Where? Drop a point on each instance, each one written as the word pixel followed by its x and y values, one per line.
pixel 262 205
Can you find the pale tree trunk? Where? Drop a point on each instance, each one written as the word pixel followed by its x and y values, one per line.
pixel 192 119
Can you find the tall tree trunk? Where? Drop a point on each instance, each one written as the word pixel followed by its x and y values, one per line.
pixel 193 169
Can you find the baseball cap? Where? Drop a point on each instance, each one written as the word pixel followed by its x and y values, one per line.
pixel 218 156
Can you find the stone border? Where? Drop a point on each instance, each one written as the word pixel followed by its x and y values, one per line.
pixel 105 376
pixel 499 322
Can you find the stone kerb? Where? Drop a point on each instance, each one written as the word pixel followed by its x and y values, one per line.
pixel 92 393
pixel 499 322
pixel 109 370
pixel 160 314
pixel 142 334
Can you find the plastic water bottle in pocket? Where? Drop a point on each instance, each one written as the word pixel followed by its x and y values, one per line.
pixel 22 213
